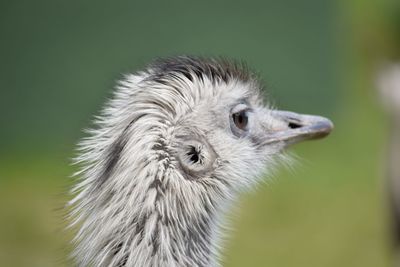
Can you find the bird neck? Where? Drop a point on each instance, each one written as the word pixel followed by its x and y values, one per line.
pixel 171 233
pixel 157 224
pixel 182 239
pixel 155 231
pixel 136 210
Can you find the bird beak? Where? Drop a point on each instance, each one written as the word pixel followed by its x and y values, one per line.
pixel 298 127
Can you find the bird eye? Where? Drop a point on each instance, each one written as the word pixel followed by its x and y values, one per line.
pixel 240 119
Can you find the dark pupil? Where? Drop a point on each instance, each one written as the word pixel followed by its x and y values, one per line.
pixel 240 119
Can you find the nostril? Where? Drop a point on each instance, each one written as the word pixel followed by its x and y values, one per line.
pixel 293 125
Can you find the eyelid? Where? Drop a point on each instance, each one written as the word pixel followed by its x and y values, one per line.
pixel 241 107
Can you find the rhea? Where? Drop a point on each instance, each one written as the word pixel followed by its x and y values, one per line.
pixel 169 154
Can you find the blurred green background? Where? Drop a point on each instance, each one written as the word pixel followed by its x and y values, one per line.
pixel 59 61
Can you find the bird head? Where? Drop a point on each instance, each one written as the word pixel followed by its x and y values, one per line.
pixel 221 129
pixel 170 150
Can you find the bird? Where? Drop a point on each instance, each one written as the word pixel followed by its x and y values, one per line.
pixel 169 155
pixel 388 85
